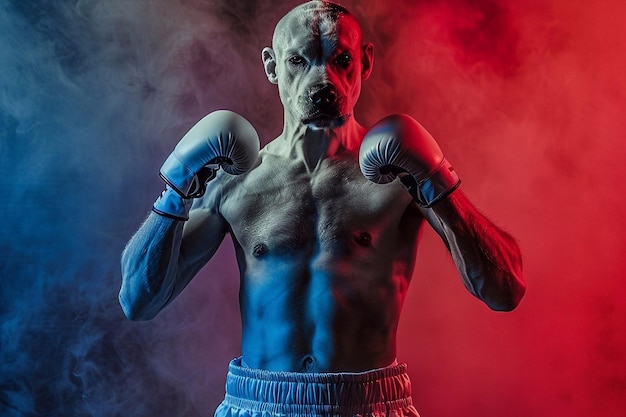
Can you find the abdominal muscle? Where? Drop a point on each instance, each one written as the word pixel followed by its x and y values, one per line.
pixel 299 319
pixel 325 260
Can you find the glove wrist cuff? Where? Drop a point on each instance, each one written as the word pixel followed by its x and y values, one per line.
pixel 170 204
pixel 438 185
pixel 177 175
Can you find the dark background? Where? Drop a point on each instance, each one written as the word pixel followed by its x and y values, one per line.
pixel 526 98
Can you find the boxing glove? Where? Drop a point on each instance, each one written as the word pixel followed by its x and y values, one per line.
pixel 398 146
pixel 221 139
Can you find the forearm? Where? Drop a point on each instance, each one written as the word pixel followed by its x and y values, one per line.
pixel 150 266
pixel 488 259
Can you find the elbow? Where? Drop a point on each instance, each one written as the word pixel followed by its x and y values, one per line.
pixel 508 303
pixel 508 298
pixel 508 287
pixel 136 297
pixel 134 309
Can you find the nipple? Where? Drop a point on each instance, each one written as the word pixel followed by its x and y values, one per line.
pixel 363 239
pixel 259 250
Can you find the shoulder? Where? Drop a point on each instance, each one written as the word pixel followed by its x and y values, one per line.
pixel 268 167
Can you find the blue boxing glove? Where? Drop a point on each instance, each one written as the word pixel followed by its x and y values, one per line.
pixel 398 146
pixel 221 139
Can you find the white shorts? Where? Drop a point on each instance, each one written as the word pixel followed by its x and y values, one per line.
pixel 258 393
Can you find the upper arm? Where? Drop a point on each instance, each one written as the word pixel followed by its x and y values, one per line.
pixel 202 235
pixel 488 259
pixel 435 222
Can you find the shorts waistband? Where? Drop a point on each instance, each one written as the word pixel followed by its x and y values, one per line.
pixel 376 391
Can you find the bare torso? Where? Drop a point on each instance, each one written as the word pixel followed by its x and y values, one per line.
pixel 325 258
pixel 325 255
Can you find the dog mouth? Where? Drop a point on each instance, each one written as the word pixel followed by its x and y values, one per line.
pixel 324 115
pixel 317 116
pixel 322 105
pixel 322 120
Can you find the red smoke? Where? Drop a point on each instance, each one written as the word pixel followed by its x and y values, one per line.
pixel 526 98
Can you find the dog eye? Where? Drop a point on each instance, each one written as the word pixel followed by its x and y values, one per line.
pixel 344 60
pixel 296 60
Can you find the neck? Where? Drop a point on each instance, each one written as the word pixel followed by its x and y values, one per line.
pixel 315 145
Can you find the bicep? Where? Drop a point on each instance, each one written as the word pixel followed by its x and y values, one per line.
pixel 488 258
pixel 202 235
pixel 435 223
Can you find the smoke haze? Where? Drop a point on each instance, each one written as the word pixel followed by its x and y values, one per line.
pixel 526 99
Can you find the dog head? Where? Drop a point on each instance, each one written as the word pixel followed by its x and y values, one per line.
pixel 318 61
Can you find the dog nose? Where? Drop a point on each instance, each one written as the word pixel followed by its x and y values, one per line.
pixel 324 95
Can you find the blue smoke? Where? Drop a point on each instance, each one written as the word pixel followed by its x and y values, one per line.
pixel 93 96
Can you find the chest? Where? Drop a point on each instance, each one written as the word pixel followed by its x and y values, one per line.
pixel 284 207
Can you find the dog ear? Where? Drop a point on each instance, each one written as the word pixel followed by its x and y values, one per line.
pixel 269 62
pixel 367 60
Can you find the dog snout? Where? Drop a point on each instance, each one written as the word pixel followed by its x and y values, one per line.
pixel 323 95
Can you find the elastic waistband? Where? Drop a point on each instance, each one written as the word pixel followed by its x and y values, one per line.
pixel 370 392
